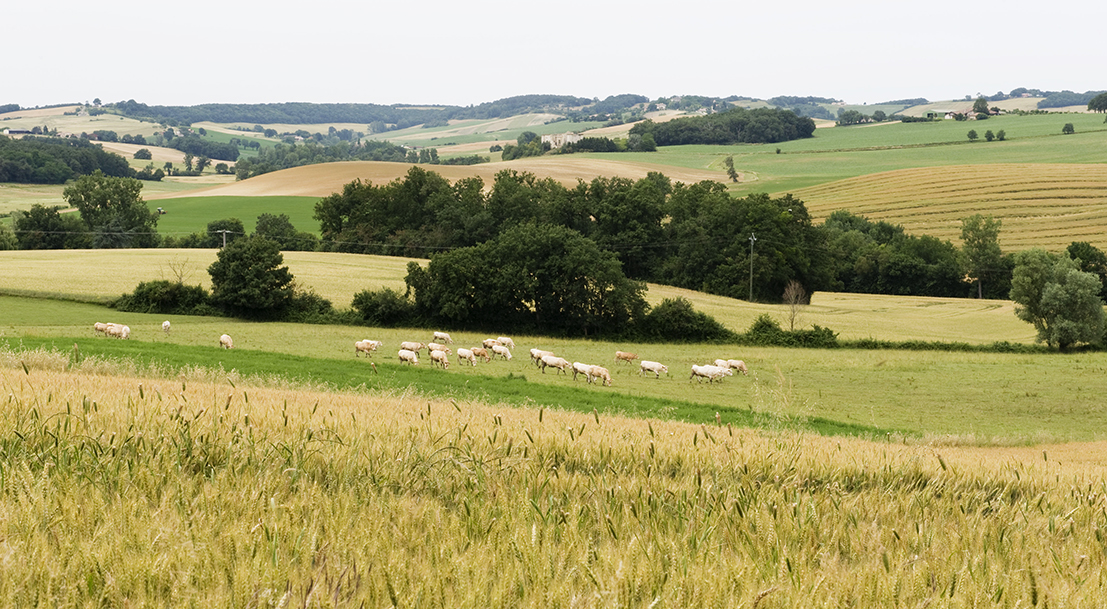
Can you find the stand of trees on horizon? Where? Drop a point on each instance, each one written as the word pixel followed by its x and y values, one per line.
pixel 733 126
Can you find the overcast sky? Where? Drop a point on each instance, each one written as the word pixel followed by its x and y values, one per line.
pixel 462 53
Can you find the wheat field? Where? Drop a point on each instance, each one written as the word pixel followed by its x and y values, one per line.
pixel 118 488
pixel 1048 206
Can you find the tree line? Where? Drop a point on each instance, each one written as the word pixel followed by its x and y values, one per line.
pixel 40 160
pixel 733 126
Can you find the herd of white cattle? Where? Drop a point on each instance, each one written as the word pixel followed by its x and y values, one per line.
pixel 491 348
pixel 439 353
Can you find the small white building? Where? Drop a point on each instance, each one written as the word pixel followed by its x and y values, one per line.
pixel 557 140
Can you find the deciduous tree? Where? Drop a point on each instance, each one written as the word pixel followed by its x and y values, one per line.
pixel 248 278
pixel 981 248
pixel 1060 300
pixel 113 209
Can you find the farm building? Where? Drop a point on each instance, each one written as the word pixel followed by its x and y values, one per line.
pixel 557 140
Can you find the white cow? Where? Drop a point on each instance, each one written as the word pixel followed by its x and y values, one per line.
pixel 599 372
pixel 410 346
pixel 709 372
pixel 553 361
pixel 507 342
pixel 442 336
pixel 165 326
pixel 409 356
pixel 585 369
pixel 226 342
pixel 466 355
pixel 440 357
pixel 502 351
pixel 657 368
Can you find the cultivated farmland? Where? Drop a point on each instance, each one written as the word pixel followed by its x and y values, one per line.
pixel 128 489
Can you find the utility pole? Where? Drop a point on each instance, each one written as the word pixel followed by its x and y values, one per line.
pixel 752 239
pixel 224 231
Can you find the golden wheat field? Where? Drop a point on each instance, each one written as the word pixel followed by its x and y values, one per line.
pixel 1047 206
pixel 125 487
pixel 326 179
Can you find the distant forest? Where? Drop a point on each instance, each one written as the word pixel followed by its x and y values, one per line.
pixel 43 160
pixel 734 126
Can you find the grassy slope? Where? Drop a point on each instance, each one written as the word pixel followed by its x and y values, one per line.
pixel 974 397
pixel 186 215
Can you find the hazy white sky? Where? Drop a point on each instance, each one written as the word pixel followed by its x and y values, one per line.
pixel 436 52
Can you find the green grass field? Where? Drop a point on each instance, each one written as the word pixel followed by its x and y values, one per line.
pixel 938 395
pixel 186 215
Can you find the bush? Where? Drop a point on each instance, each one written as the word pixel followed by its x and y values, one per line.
pixel 676 320
pixel 766 332
pixel 166 297
pixel 309 307
pixel 386 308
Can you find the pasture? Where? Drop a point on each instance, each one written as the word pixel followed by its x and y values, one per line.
pixel 338 277
pixel 206 490
pixel 191 214
pixel 974 398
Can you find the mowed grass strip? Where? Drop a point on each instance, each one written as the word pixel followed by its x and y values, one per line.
pixel 1047 206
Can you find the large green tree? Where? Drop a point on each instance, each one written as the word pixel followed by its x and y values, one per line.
pixel 1060 300
pixel 1090 259
pixel 1098 103
pixel 113 210
pixel 982 254
pixel 533 276
pixel 248 278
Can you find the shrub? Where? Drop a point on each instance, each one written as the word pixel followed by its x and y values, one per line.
pixel 766 332
pixel 166 297
pixel 385 307
pixel 676 320
pixel 308 307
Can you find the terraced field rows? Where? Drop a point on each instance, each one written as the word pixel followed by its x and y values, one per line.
pixel 1047 206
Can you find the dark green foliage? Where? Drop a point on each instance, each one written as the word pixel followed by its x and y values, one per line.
pixel 143 154
pixel 249 281
pixel 166 297
pixel 279 228
pixel 1090 259
pixel 222 232
pixel 851 117
pixel 734 126
pixel 1068 129
pixel 1067 98
pixel 591 144
pixel 284 156
pixel 982 254
pixel 384 308
pixel 473 159
pixel 7 238
pixel 708 247
pixel 34 160
pixel 766 332
pixel 1098 103
pixel 309 307
pixel 540 278
pixel 528 144
pixel 113 211
pixel 674 320
pixel 43 228
pixel 880 258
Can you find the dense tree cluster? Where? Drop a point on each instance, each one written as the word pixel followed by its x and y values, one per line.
pixel 734 126
pixel 35 160
pixel 285 156
pixel 199 146
pixel 282 113
pixel 1063 99
pixel 527 144
pixel 1061 301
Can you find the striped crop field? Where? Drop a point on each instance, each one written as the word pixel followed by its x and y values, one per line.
pixel 1047 206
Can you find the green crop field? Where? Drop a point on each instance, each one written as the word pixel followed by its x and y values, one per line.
pixel 186 215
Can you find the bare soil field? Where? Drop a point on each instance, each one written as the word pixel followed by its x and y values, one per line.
pixel 160 154
pixel 325 179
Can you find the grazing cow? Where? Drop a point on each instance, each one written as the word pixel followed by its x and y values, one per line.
pixel 709 372
pixel 625 356
pixel 490 342
pixel 655 367
pixel 466 355
pixel 553 361
pixel 507 342
pixel 585 369
pixel 165 326
pixel 536 355
pixel 367 347
pixel 599 372
pixel 442 336
pixel 438 347
pixel 226 342
pixel 482 353
pixel 410 346
pixel 409 356
pixel 502 351
pixel 440 358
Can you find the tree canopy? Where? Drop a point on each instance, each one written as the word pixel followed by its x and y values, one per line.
pixel 248 278
pixel 1060 300
pixel 113 210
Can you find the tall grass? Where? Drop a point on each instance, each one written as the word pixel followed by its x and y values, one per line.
pixel 130 491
